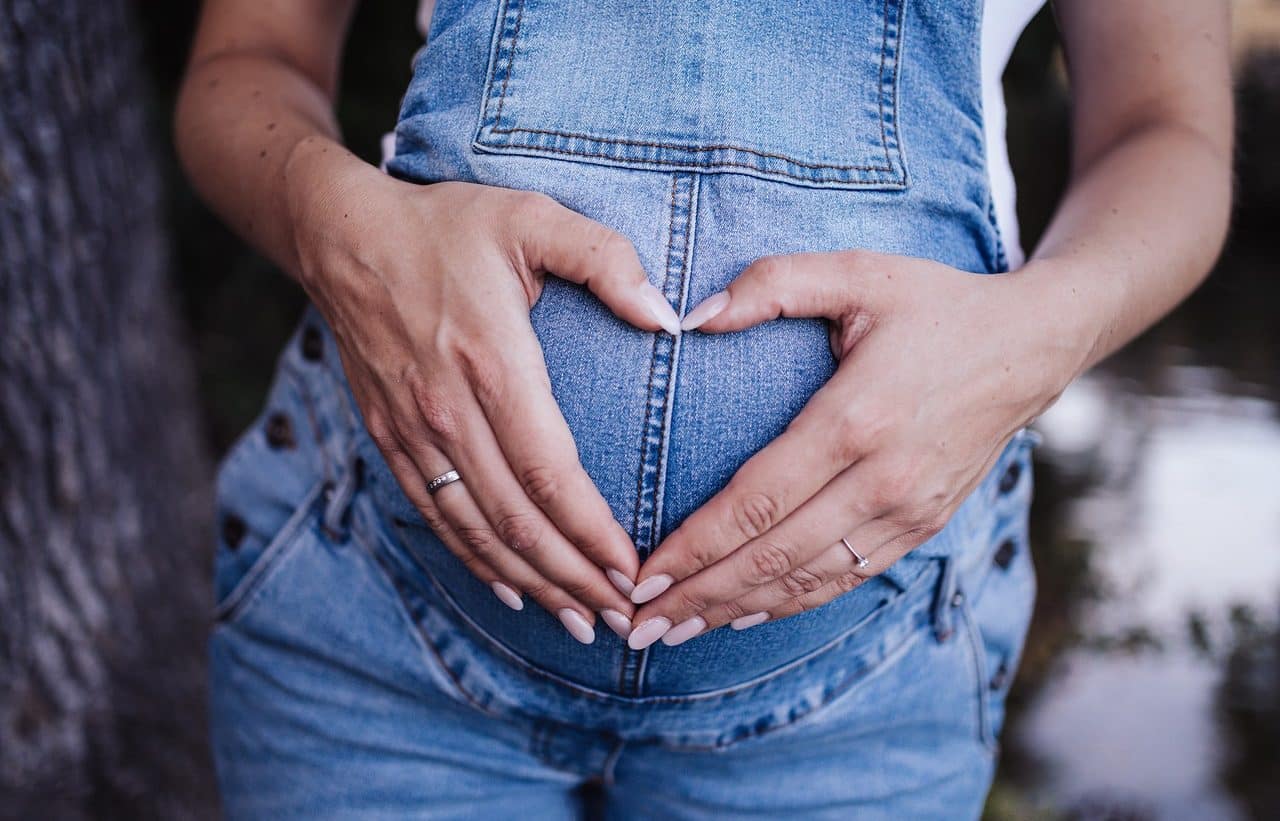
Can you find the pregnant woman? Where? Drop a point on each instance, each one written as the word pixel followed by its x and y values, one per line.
pixel 704 323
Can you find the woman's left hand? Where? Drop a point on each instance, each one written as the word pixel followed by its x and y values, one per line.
pixel 937 370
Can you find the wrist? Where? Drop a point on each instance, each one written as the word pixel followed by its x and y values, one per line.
pixel 1067 314
pixel 320 179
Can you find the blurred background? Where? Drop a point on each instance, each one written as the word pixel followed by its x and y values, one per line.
pixel 1151 682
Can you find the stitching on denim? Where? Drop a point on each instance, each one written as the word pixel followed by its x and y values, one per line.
pixel 899 39
pixel 510 59
pixel 276 551
pixel 508 65
pixel 678 147
pixel 686 265
pixel 894 604
pixel 884 45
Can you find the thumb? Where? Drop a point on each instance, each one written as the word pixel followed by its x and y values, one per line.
pixel 560 241
pixel 795 285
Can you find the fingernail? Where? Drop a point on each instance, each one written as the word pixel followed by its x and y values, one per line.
pixel 648 632
pixel 705 309
pixel 620 581
pixel 651 588
pixel 577 626
pixel 617 622
pixel 743 622
pixel 661 310
pixel 507 596
pixel 684 631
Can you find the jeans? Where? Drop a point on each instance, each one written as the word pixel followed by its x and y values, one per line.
pixel 358 669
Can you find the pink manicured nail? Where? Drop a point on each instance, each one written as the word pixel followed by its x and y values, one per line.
pixel 651 588
pixel 684 631
pixel 620 581
pixel 507 596
pixel 648 632
pixel 705 309
pixel 617 622
pixel 743 622
pixel 577 626
pixel 661 310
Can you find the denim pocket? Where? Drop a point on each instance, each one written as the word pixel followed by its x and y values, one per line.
pixel 801 93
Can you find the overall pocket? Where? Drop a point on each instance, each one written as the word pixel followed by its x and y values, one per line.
pixel 804 93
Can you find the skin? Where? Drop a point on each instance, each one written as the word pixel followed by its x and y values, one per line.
pixel 435 338
pixel 937 368
pixel 428 291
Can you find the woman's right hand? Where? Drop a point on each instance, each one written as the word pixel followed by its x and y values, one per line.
pixel 428 291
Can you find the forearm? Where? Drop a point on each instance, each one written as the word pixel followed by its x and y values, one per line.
pixel 1137 231
pixel 246 118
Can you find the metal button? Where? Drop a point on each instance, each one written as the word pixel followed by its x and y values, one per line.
pixel 233 530
pixel 1004 554
pixel 1010 478
pixel 279 431
pixel 312 344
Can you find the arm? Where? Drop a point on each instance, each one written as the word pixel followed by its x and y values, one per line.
pixel 432 325
pixel 1140 226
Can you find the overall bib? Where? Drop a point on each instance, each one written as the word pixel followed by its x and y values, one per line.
pixel 360 670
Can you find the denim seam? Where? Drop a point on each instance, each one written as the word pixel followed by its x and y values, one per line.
pixel 632 669
pixel 277 550
pixel 978 655
pixel 503 60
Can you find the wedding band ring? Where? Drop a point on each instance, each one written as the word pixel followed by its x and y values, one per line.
pixel 448 478
pixel 862 561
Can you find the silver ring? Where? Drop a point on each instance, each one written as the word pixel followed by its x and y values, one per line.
pixel 446 478
pixel 862 561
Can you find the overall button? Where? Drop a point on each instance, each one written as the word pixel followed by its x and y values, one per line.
pixel 233 530
pixel 312 344
pixel 1004 554
pixel 1001 677
pixel 279 431
pixel 1010 478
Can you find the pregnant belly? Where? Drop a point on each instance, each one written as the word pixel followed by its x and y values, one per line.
pixel 661 424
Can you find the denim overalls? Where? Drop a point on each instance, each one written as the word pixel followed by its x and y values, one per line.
pixel 360 670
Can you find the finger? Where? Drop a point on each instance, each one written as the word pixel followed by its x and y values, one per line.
pixel 835 564
pixel 764 491
pixel 831 285
pixel 561 241
pixel 854 497
pixel 474 533
pixel 457 426
pixel 537 443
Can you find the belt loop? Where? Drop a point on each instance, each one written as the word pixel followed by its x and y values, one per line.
pixel 339 495
pixel 945 600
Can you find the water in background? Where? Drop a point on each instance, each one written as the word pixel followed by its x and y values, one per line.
pixel 1151 687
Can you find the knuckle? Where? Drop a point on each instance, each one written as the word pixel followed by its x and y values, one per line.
pixel 521 531
pixel 484 372
pixel 438 415
pixel 755 513
pixel 434 519
pixel 541 484
pixel 734 610
pixel 538 589
pixel 848 581
pixel 610 245
pixel 579 589
pixel 801 581
pixel 477 539
pixel 531 206
pixel 773 268
pixel 690 601
pixel 769 560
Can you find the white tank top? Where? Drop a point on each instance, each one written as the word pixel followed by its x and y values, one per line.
pixel 1002 23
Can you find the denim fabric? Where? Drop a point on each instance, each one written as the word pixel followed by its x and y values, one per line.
pixel 358 667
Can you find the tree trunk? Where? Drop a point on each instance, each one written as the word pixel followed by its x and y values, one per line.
pixel 103 475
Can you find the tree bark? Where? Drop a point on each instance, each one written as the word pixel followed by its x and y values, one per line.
pixel 103 474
